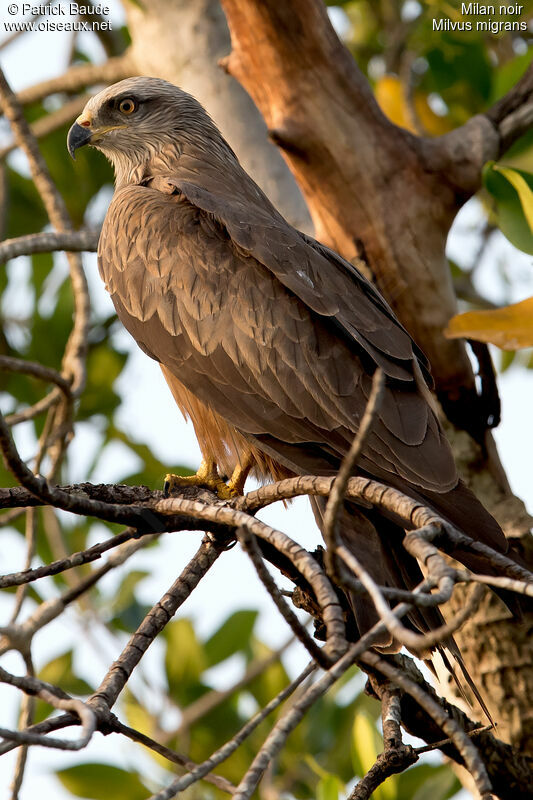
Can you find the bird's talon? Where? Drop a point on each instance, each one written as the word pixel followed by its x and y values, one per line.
pixel 207 477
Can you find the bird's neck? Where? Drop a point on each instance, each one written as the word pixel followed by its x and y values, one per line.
pixel 211 154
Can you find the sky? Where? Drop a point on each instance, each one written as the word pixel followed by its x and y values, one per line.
pixel 36 57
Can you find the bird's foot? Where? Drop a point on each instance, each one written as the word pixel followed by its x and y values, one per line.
pixel 207 477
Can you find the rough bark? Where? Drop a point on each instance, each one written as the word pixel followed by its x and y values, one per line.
pixel 182 41
pixel 378 192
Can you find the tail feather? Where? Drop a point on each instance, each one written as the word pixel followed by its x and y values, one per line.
pixel 454 650
pixel 377 543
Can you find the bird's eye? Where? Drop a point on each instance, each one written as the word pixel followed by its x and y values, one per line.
pixel 127 106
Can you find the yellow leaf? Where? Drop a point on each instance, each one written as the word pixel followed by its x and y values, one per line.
pixel 366 741
pixel 523 190
pixel 391 98
pixel 510 327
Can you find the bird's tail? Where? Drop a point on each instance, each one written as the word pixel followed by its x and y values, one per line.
pixel 377 544
pixel 462 508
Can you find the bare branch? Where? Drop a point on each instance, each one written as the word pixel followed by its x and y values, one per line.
pixel 461 741
pixel 79 77
pixel 57 698
pixel 227 749
pixel 513 113
pixel 396 756
pixel 19 637
pixel 63 564
pixel 27 710
pixel 31 526
pixel 46 403
pixel 154 622
pixel 76 349
pixel 300 558
pixel 340 484
pixel 49 241
pixel 36 370
pixel 250 546
pixel 171 755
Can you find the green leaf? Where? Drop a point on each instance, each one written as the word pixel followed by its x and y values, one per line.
pixel 125 594
pixel 523 189
pixel 506 359
pixel 512 194
pixel 59 672
pixel 365 743
pixel 94 781
pixel 508 73
pixel 26 212
pixel 366 746
pixel 233 636
pixel 42 265
pixel 329 788
pixel 127 612
pixel 428 782
pixel 185 661
pixel 104 365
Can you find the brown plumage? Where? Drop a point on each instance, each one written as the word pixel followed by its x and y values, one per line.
pixel 268 339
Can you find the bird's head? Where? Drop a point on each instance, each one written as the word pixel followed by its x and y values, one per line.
pixel 142 123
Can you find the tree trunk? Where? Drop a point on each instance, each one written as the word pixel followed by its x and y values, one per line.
pixel 182 41
pixel 379 193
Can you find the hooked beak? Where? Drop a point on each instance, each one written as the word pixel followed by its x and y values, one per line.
pixel 78 136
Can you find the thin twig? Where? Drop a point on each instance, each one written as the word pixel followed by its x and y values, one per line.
pixel 302 560
pixel 27 710
pixel 171 755
pixel 211 700
pixel 19 636
pixel 36 370
pixel 76 349
pixel 80 76
pixel 31 526
pixel 340 483
pixel 46 403
pixel 417 642
pixel 74 560
pixel 459 738
pixel 396 756
pixel 250 546
pixel 154 622
pixel 223 753
pixel 57 698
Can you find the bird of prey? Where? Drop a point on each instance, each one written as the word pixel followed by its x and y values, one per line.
pixel 267 338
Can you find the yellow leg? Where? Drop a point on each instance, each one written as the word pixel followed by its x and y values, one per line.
pixel 238 478
pixel 208 478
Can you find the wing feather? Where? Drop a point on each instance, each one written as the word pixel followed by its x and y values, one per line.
pixel 268 328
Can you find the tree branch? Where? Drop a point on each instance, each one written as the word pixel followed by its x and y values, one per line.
pixel 513 113
pixel 51 122
pixel 48 242
pixel 80 76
